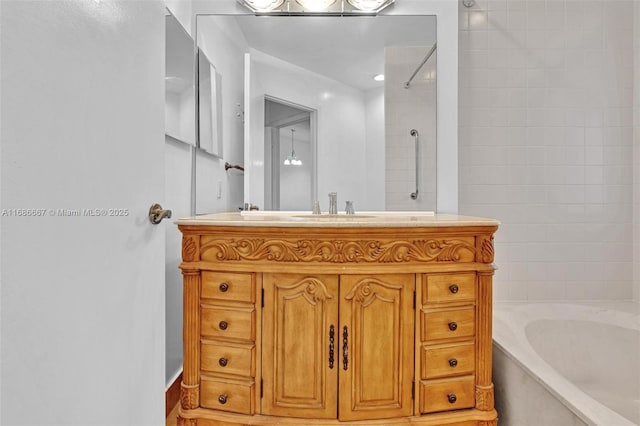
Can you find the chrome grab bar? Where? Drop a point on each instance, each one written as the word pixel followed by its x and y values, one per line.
pixel 414 133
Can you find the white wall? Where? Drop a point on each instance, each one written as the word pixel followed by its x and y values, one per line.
pixel 340 122
pixel 82 305
pixel 375 150
pixel 224 45
pixel 546 143
pixel 295 181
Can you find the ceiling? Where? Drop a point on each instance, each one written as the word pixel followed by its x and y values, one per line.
pixel 347 49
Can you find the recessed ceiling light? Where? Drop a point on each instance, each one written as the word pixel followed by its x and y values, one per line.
pixel 378 77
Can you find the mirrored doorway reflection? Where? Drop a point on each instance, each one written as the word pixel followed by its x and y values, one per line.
pixel 290 156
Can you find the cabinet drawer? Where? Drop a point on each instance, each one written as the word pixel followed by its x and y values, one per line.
pixel 448 287
pixel 447 324
pixel 226 395
pixel 447 360
pixel 231 323
pixel 228 286
pixel 447 394
pixel 227 358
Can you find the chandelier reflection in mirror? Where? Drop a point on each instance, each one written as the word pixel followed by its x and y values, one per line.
pixel 325 7
pixel 292 160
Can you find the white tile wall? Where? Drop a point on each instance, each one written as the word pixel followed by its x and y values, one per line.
pixel 547 143
pixel 407 109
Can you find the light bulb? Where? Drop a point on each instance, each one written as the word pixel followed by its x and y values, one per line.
pixel 316 5
pixel 378 77
pixel 367 5
pixel 287 161
pixel 263 5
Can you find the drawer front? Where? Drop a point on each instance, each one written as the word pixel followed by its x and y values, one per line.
pixel 228 323
pixel 447 360
pixel 228 286
pixel 448 287
pixel 227 359
pixel 447 324
pixel 447 394
pixel 236 397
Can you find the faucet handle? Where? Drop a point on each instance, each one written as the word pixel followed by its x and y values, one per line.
pixel 349 208
pixel 316 207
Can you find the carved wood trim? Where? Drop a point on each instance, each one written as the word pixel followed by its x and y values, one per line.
pixel 186 422
pixel 314 291
pixel 484 249
pixel 339 251
pixel 484 398
pixel 189 396
pixel 190 247
pixel 364 294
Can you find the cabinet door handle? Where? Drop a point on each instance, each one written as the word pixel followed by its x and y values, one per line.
pixel 345 348
pixel 452 398
pixel 223 325
pixel 222 399
pixel 453 363
pixel 332 334
pixel 453 326
pixel 223 362
pixel 224 287
pixel 453 288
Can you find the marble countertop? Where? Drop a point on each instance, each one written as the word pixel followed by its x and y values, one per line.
pixel 359 220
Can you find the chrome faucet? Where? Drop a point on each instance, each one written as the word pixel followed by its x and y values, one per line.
pixel 349 208
pixel 333 203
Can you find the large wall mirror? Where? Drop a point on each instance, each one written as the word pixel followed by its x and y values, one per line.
pixel 310 94
pixel 179 82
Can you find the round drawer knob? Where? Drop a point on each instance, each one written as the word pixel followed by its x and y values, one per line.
pixel 452 398
pixel 453 363
pixel 453 288
pixel 224 287
pixel 223 325
pixel 222 399
pixel 223 362
pixel 453 326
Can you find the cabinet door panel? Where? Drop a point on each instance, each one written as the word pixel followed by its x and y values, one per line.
pixel 298 313
pixel 378 314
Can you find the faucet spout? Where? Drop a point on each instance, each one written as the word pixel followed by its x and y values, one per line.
pixel 333 203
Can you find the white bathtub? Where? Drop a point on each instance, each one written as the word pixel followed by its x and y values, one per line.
pixel 559 364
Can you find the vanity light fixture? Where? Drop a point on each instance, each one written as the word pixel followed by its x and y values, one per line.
pixel 263 5
pixel 316 7
pixel 292 160
pixel 378 77
pixel 367 5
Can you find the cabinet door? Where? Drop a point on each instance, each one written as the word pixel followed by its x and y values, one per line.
pixel 299 313
pixel 376 367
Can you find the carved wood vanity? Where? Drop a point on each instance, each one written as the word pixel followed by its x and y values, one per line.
pixel 371 320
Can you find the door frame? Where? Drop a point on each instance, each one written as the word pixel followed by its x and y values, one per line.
pixel 272 173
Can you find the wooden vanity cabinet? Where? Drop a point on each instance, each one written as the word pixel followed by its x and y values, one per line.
pixel 338 346
pixel 327 326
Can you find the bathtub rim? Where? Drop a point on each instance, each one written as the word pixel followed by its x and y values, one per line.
pixel 509 336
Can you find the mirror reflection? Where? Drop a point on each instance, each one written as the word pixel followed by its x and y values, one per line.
pixel 371 140
pixel 179 82
pixel 209 106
